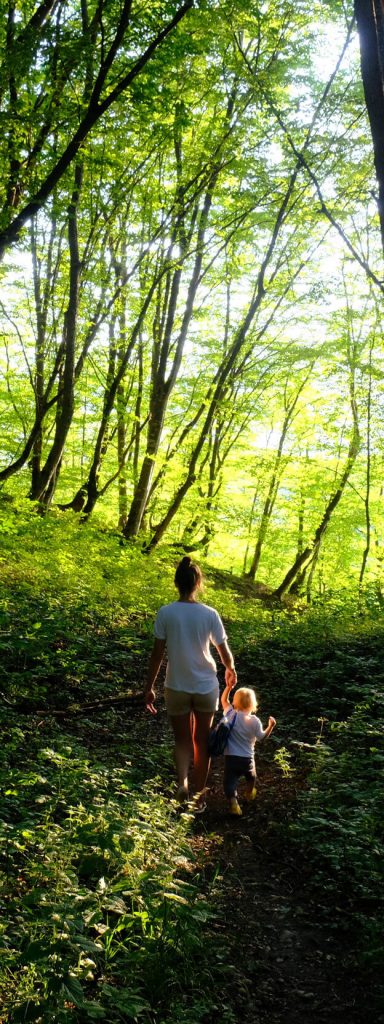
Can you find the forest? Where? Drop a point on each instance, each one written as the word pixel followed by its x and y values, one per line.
pixel 191 361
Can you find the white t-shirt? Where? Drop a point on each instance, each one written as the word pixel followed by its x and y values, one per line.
pixel 189 627
pixel 243 735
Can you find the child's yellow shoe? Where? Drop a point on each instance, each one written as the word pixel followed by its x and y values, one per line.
pixel 251 796
pixel 234 806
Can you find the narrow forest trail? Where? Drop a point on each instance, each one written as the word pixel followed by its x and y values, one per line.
pixel 288 961
pixel 285 963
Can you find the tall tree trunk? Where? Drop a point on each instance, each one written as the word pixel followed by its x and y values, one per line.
pixel 47 478
pixel 91 486
pixel 39 365
pixel 370 23
pixel 41 292
pixel 162 386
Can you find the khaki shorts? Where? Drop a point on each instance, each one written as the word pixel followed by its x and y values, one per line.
pixel 178 702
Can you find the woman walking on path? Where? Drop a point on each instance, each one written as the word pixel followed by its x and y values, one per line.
pixel 187 627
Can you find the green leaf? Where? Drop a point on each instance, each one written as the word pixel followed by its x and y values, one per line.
pixel 73 989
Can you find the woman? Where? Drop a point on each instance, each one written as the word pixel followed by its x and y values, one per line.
pixel 186 628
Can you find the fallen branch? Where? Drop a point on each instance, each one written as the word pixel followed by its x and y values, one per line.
pixel 28 706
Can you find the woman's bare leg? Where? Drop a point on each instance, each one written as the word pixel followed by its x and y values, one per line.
pixel 181 725
pixel 201 724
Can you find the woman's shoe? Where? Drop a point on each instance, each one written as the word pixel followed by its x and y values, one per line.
pixel 234 806
pixel 182 794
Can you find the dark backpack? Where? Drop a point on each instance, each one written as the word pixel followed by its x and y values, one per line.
pixel 219 736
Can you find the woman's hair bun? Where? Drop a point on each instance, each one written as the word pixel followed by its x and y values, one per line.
pixel 188 576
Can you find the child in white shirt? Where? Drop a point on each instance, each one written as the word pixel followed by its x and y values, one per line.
pixel 239 754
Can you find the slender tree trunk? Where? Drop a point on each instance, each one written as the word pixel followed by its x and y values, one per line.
pixel 138 405
pixel 274 483
pixel 267 512
pixel 162 386
pixel 121 457
pixel 48 476
pixel 12 145
pixel 90 487
pixel 39 367
pixel 379 553
pixel 367 479
pixel 41 292
pixel 139 501
pixel 300 532
pixel 122 434
pixel 311 574
pixel 250 525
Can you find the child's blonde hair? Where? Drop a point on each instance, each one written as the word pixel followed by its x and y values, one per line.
pixel 245 699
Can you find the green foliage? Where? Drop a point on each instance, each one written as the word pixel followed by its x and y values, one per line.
pixel 70 607
pixel 92 885
pixel 103 906
pixel 341 822
pixel 209 279
pixel 320 672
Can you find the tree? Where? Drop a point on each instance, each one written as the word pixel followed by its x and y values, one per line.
pixel 370 22
pixel 192 168
pixel 102 90
pixel 290 404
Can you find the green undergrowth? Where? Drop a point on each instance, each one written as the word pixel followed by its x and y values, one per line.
pixel 341 829
pixel 76 610
pixel 105 914
pixel 102 904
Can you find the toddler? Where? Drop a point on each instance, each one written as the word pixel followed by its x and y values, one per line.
pixel 239 754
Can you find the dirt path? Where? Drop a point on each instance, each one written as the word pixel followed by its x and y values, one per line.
pixel 287 962
pixel 285 965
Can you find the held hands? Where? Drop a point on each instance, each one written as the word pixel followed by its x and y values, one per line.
pixel 230 678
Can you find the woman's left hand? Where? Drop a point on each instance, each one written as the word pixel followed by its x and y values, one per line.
pixel 230 678
pixel 149 697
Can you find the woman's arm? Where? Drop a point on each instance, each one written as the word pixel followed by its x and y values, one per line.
pixel 226 658
pixel 153 668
